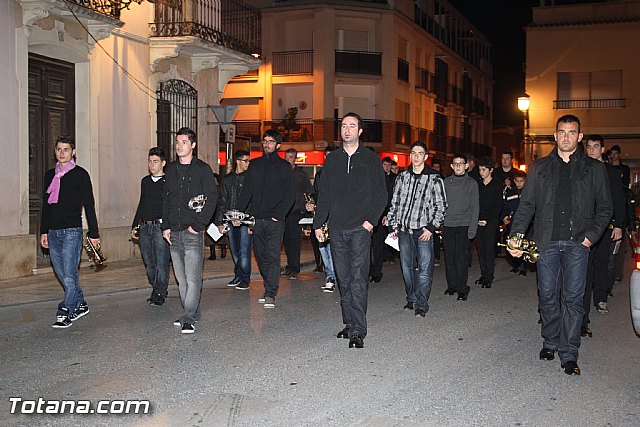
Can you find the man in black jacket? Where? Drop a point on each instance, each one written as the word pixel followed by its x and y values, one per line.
pixel 239 236
pixel 569 194
pixel 268 194
pixel 599 276
pixel 188 205
pixel 351 198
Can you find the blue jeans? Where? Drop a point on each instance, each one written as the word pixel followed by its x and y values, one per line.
pixel 417 284
pixel 327 260
pixel 562 275
pixel 65 246
pixel 187 255
pixel 240 246
pixel 155 254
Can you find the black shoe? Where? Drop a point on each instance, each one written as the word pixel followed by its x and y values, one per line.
pixel 233 282
pixel 242 286
pixel 223 252
pixel 318 269
pixel 547 354
pixel 408 306
pixel 449 291
pixel 343 333
pixel 284 272
pixel 610 293
pixel 462 296
pixel 522 273
pixel 375 279
pixel 586 331
pixel 571 368
pixel 480 281
pixel 420 313
pixel 292 275
pixel 487 284
pixel 187 328
pixel 514 270
pixel 356 342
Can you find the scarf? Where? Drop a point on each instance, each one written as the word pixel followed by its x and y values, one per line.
pixel 54 187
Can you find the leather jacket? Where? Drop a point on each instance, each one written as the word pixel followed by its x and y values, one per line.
pixel 591 206
pixel 230 188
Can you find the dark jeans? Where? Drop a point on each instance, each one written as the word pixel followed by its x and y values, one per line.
pixel 292 240
pixel 156 255
pixel 240 246
pixel 65 247
pixel 187 255
pixel 456 262
pixel 267 239
pixel 598 275
pixel 486 242
pixel 562 274
pixel 417 284
pixel 351 259
pixel 437 241
pixel 377 250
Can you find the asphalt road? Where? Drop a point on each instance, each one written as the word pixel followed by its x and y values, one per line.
pixel 465 364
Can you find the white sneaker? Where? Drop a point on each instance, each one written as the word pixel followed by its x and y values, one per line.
pixel 62 322
pixel 329 286
pixel 269 302
pixel 602 308
pixel 261 300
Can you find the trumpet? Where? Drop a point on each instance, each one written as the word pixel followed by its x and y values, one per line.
pixel 308 197
pixel 528 247
pixel 94 252
pixel 235 215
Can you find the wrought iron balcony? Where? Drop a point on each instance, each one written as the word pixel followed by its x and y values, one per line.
pixel 293 62
pixel 110 8
pixel 229 23
pixel 579 104
pixel 351 61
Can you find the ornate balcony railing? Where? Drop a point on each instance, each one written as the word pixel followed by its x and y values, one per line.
pixel 228 23
pixel 578 104
pixel 293 62
pixel 109 8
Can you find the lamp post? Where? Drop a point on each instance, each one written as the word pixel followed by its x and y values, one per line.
pixel 523 105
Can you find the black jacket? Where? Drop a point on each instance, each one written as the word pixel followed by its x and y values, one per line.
pixel 591 206
pixel 230 189
pixel 268 189
pixel 179 189
pixel 352 190
pixel 617 196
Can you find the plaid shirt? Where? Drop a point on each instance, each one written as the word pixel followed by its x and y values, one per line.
pixel 419 201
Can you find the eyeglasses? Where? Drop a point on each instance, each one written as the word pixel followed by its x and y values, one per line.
pixel 269 141
pixel 458 164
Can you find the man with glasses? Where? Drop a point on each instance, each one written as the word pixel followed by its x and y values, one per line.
pixel 417 210
pixel 460 225
pixel 188 206
pixel 351 198
pixel 239 236
pixel 568 197
pixel 268 194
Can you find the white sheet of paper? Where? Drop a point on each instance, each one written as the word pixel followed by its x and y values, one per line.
pixel 392 242
pixel 306 221
pixel 214 232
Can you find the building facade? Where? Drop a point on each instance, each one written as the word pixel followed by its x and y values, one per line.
pixel 583 60
pixel 119 76
pixel 414 70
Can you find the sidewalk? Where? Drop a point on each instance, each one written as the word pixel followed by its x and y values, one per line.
pixel 125 276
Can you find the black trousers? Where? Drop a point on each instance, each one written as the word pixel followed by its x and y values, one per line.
pixel 316 249
pixel 377 250
pixel 486 242
pixel 456 253
pixel 267 238
pixel 292 240
pixel 350 252
pixel 599 277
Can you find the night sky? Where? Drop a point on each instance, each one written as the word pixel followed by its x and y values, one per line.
pixel 503 22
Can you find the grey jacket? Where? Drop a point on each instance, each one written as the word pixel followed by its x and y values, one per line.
pixel 463 203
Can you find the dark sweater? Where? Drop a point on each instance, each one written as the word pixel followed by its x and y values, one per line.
pixel 491 202
pixel 268 190
pixel 352 190
pixel 75 193
pixel 150 204
pixel 302 186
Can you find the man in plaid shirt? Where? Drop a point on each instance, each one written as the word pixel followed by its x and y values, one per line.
pixel 417 210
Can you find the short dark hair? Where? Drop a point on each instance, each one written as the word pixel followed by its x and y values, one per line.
pixel 66 139
pixel 487 162
pixel 331 147
pixel 357 116
pixel 419 144
pixel 291 150
pixel 598 138
pixel 519 174
pixel 240 153
pixel 157 151
pixel 190 134
pixel 273 133
pixel 460 156
pixel 394 163
pixel 568 118
pixel 386 159
pixel 616 148
pixel 509 152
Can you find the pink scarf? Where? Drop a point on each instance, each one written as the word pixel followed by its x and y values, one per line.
pixel 54 188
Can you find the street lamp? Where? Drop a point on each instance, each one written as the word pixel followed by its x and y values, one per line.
pixel 523 105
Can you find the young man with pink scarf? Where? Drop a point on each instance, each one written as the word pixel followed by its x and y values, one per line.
pixel 68 190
